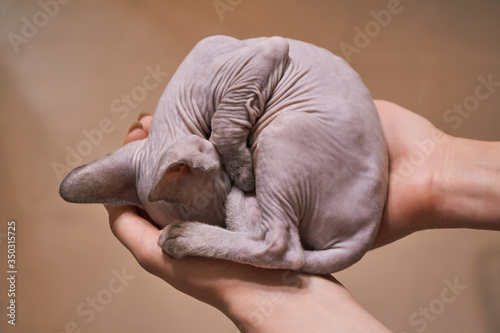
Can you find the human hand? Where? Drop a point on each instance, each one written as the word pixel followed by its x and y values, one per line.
pixel 433 191
pixel 416 149
pixel 411 196
pixel 251 297
pixel 436 180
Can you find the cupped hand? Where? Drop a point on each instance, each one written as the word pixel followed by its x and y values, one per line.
pixel 241 291
pixel 434 182
pixel 208 280
pixel 416 149
pixel 417 156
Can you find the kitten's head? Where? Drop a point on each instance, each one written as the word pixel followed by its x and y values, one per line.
pixel 185 182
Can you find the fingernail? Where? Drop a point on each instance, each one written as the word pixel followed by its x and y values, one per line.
pixel 135 124
pixel 142 115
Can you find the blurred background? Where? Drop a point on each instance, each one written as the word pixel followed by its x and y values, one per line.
pixel 65 67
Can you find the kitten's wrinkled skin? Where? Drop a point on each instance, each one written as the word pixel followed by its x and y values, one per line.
pixel 308 123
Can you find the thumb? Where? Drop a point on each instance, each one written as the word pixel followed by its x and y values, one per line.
pixel 139 236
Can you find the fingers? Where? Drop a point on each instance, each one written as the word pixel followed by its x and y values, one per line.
pixel 145 119
pixel 136 132
pixel 135 232
pixel 139 236
pixel 139 130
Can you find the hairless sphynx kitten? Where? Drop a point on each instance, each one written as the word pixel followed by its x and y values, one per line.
pixel 293 114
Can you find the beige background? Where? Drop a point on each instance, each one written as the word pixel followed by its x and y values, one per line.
pixel 65 77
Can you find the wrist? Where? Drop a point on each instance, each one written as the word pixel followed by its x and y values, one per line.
pixel 466 188
pixel 294 302
pixel 256 302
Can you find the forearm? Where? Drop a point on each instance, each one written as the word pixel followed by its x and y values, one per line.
pixel 467 188
pixel 291 302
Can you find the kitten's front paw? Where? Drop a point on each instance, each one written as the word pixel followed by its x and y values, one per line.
pixel 173 240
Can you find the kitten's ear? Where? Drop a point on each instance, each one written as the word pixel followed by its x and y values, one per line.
pixel 172 186
pixel 111 179
pixel 187 167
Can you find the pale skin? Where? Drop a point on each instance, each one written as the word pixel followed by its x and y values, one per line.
pixel 456 185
